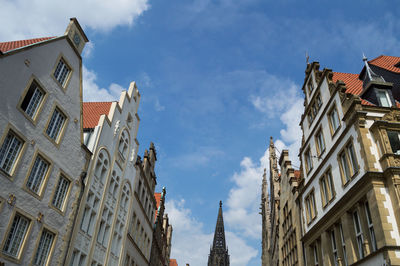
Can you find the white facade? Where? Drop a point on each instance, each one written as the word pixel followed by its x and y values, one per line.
pixel 107 204
pixel 41 151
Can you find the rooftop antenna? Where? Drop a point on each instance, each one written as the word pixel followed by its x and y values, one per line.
pixel 307 57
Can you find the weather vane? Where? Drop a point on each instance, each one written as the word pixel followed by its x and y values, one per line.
pixel 307 57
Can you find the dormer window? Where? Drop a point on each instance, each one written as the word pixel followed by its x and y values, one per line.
pixel 383 98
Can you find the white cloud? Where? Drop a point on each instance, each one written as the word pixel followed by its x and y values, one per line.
pixel 198 158
pixel 38 18
pixel 190 244
pixel 92 92
pixel 158 106
pixel 244 198
pixel 87 52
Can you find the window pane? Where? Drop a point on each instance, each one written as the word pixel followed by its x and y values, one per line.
pixel 42 253
pixel 37 174
pixel 345 166
pixel 32 99
pixel 352 158
pixel 394 141
pixel 9 152
pixel 55 124
pixel 16 235
pixel 383 98
pixel 61 192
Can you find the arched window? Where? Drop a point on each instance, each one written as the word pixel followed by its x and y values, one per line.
pixel 101 166
pixel 114 185
pixel 123 145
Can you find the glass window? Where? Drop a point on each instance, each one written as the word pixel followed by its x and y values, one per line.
pixel 334 120
pixel 320 142
pixel 370 227
pixel 308 158
pixel 32 100
pixel 42 253
pixel 61 72
pixel 383 98
pixel 394 141
pixel 55 125
pixel 359 234
pixel 9 152
pixel 16 235
pixel 37 174
pixel 334 248
pixel 61 192
pixel 123 145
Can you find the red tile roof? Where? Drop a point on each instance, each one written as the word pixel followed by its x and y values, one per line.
pixel 297 174
pixel 92 112
pixel 172 262
pixel 8 46
pixel 353 84
pixel 157 195
pixel 387 62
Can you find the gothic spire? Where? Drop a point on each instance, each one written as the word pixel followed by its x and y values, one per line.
pixel 219 252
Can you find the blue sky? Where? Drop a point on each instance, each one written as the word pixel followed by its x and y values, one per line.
pixel 217 79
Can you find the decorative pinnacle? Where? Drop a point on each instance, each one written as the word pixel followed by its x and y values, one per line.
pixel 220 203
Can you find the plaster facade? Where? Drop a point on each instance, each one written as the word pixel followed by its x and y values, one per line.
pixel 37 206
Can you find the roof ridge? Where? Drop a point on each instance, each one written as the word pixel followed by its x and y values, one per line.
pixel 31 39
pixel 372 60
pixel 101 102
pixel 344 73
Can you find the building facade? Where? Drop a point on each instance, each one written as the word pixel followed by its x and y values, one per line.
pixel 350 199
pixel 281 227
pixel 140 235
pixel 42 157
pixel 219 255
pixel 110 130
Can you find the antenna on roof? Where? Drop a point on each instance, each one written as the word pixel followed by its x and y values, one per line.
pixel 307 57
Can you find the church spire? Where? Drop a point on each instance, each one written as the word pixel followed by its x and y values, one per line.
pixel 219 252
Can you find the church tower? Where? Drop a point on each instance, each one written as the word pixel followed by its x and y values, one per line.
pixel 219 253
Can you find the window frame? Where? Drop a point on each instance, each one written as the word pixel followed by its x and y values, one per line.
pixel 45 179
pixel 18 158
pixel 63 128
pixel 359 235
pixel 308 158
pixel 333 130
pixel 386 96
pixel 371 229
pixel 69 75
pixel 343 244
pixel 24 241
pixel 351 162
pixel 63 209
pixel 320 148
pixel 326 181
pixel 311 207
pixel 52 247
pixel 33 119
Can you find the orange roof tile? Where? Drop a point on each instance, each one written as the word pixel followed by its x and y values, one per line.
pixel 172 262
pixel 387 62
pixel 8 46
pixel 353 83
pixel 92 112
pixel 157 195
pixel 297 174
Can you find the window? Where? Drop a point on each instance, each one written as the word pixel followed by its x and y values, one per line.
pixel 383 98
pixel 394 141
pixel 123 145
pixel 327 188
pixel 333 120
pixel 16 236
pixel 101 166
pixel 370 227
pixel 78 258
pixel 104 230
pixel 310 206
pixel 32 100
pixel 9 152
pixel 43 250
pixel 348 163
pixel 315 251
pixel 343 245
pixel 37 174
pixel 319 138
pixel 89 215
pixel 359 234
pixel 56 124
pixel 334 248
pixel 308 159
pixel 315 106
pixel 61 192
pixel 61 72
